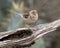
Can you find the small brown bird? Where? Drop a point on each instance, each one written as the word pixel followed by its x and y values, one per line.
pixel 30 17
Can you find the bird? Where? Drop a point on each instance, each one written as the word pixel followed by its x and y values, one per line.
pixel 30 18
pixel 20 18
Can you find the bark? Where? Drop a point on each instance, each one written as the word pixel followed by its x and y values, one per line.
pixel 25 36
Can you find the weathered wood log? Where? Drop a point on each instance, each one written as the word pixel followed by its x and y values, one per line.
pixel 25 36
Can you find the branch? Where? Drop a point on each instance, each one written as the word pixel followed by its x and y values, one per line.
pixel 25 36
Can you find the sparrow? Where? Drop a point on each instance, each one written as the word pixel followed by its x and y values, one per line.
pixel 31 17
pixel 28 18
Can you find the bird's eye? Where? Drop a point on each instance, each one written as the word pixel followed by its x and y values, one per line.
pixel 26 15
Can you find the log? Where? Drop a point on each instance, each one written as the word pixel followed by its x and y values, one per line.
pixel 25 36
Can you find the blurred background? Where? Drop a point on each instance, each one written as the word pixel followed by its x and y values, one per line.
pixel 48 10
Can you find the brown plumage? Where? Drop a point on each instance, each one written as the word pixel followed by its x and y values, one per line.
pixel 30 17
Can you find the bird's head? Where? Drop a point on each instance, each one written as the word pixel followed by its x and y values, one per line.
pixel 31 16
